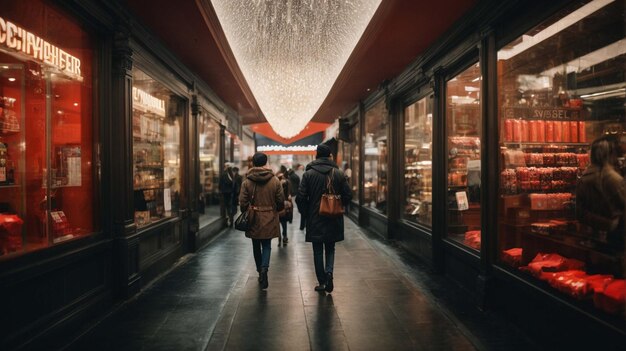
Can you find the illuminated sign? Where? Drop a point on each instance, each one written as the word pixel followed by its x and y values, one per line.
pixel 263 148
pixel 147 102
pixel 19 40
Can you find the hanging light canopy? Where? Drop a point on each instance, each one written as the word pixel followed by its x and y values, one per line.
pixel 292 51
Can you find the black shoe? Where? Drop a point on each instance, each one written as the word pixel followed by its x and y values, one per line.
pixel 301 228
pixel 320 287
pixel 259 271
pixel 285 240
pixel 264 282
pixel 329 282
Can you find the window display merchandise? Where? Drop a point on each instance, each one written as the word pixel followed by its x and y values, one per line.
pixel 46 137
pixel 157 114
pixel 375 159
pixel 418 184
pixel 464 132
pixel 562 98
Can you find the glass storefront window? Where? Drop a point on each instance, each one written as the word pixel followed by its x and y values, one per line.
pixel 561 87
pixel 354 162
pixel 209 160
pixel 375 162
pixel 47 182
pixel 418 159
pixel 463 131
pixel 228 147
pixel 157 115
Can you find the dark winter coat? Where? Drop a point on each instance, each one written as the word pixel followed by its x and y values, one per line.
pixel 600 200
pixel 294 182
pixel 226 182
pixel 268 200
pixel 312 186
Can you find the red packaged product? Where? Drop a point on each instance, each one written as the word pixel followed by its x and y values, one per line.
pixel 10 233
pixel 573 131
pixel 541 131
pixel 549 131
pixel 517 130
pixel 572 282
pixel 472 239
pixel 552 263
pixel 566 132
pixel 508 130
pixel 534 133
pixel 613 298
pixel 598 282
pixel 558 131
pixel 525 131
pixel 582 132
pixel 512 257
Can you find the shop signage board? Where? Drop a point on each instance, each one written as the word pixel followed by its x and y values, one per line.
pixel 17 40
pixel 543 113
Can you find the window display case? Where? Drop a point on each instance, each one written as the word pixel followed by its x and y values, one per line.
pixel 47 185
pixel 209 160
pixel 375 157
pixel 156 150
pixel 418 183
pixel 464 132
pixel 562 98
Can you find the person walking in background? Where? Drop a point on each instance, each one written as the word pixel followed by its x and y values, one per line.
pixel 226 190
pixel 262 190
pixel 299 172
pixel 601 195
pixel 322 232
pixel 287 213
pixel 237 180
pixel 294 184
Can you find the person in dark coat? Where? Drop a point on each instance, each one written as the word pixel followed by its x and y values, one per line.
pixel 322 232
pixel 262 190
pixel 287 213
pixel 226 189
pixel 294 184
pixel 237 180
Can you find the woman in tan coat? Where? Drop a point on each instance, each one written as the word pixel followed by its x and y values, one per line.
pixel 262 190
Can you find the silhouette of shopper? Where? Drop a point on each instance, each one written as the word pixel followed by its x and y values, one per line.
pixel 322 232
pixel 262 190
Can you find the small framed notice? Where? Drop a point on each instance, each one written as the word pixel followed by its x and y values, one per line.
pixel 461 200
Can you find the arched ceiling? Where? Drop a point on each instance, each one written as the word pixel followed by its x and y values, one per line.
pixel 399 32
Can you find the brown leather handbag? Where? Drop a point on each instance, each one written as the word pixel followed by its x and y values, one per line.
pixel 330 203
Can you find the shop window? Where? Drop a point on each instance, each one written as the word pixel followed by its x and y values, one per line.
pixel 209 160
pixel 157 114
pixel 228 147
pixel 375 159
pixel 354 162
pixel 464 132
pixel 47 184
pixel 418 186
pixel 562 98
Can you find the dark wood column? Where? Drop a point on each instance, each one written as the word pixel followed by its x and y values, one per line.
pixel 194 175
pixel 126 259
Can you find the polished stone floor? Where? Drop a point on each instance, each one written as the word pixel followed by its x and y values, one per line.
pixel 382 300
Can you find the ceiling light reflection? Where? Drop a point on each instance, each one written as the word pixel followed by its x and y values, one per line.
pixel 291 52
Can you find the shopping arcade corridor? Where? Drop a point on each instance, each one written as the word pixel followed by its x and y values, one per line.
pixel 211 301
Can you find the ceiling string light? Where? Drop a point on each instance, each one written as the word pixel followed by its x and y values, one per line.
pixel 292 51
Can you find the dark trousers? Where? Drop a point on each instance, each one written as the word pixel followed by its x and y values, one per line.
pixel 318 260
pixel 228 200
pixel 302 221
pixel 283 223
pixel 262 250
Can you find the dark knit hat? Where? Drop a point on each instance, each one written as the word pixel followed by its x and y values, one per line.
pixel 322 151
pixel 259 159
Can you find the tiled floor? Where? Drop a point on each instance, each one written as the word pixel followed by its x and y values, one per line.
pixel 382 301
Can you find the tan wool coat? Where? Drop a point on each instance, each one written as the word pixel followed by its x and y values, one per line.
pixel 268 201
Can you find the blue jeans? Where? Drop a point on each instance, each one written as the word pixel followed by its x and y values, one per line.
pixel 320 270
pixel 262 249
